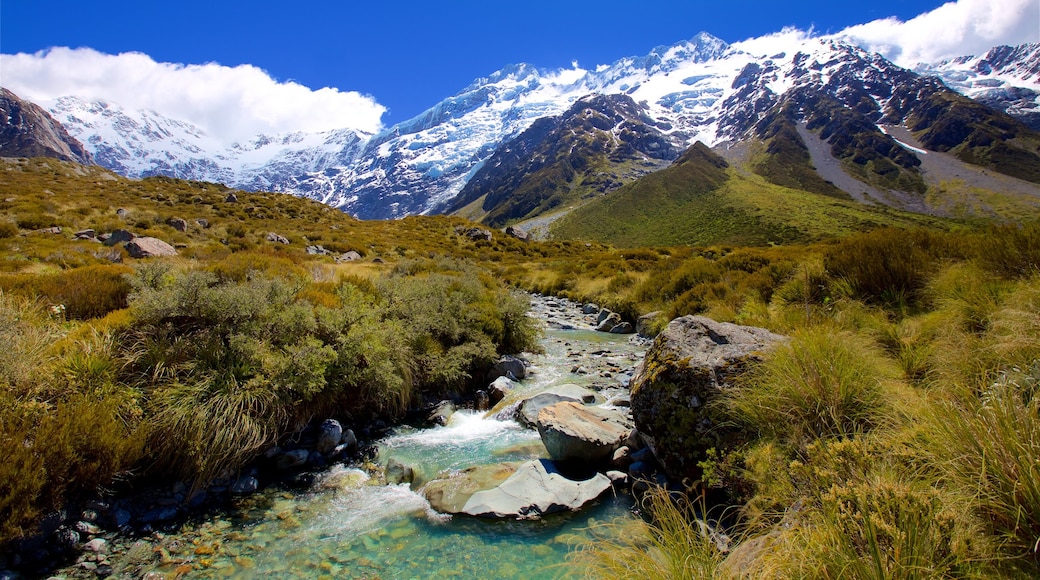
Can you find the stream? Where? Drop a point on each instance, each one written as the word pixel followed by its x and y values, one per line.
pixel 347 527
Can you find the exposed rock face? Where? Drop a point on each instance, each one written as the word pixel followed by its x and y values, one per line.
pixel 689 364
pixel 579 435
pixel 149 247
pixel 26 130
pixel 537 488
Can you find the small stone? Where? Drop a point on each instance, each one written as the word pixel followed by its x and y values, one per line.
pixel 245 485
pixel 277 238
pixel 87 528
pixel 97 545
pixel 178 224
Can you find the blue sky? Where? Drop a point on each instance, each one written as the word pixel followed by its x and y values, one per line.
pixel 409 55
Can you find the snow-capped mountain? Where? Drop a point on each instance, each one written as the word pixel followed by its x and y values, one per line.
pixel 697 90
pixel 1006 78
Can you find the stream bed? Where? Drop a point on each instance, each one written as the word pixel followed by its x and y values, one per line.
pixel 345 526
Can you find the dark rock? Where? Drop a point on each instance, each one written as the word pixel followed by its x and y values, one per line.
pixel 622 328
pixel 178 224
pixel 231 198
pixel 442 413
pixel 686 368
pixel 203 223
pixel 481 400
pixel 607 324
pixel 292 459
pixel 87 234
pixel 149 247
pixel 580 435
pixel 590 308
pixel 508 365
pixel 316 460
pixel 277 238
pixel 159 514
pixel 119 236
pixel 245 485
pixel 121 212
pixel 518 233
pixel 477 234
pixel 603 315
pixel 329 436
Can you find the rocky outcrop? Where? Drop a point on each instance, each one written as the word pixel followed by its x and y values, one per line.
pixel 27 130
pixel 277 238
pixel 690 363
pixel 577 435
pixel 518 233
pixel 149 247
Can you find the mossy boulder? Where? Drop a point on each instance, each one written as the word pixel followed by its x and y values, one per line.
pixel 673 393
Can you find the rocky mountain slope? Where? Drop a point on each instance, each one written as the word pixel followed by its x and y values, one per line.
pixel 697 90
pixel 27 130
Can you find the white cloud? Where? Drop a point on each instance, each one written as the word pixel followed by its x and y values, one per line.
pixel 774 43
pixel 965 27
pixel 229 103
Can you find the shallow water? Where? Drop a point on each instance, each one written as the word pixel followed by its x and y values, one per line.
pixel 347 527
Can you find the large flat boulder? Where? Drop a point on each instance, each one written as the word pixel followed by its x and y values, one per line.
pixel 537 488
pixel 582 436
pixel 530 407
pixel 449 494
pixel 149 247
pixel 689 364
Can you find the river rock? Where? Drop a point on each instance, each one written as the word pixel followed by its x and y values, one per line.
pixel 442 413
pixel 329 436
pixel 499 389
pixel 481 400
pixel 530 407
pixel 607 324
pixel 689 364
pixel 622 328
pixel 245 485
pixel 646 323
pixel 397 472
pixel 450 494
pixel 508 366
pixel 590 308
pixel 149 247
pixel 537 488
pixel 580 435
pixel 292 459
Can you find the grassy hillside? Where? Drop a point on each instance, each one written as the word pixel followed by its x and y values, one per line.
pixel 699 201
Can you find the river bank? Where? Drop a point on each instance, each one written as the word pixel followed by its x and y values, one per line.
pixel 349 522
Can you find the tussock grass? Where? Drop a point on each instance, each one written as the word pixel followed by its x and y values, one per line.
pixel 823 384
pixel 674 544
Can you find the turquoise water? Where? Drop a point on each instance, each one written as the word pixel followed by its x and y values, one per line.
pixel 348 527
